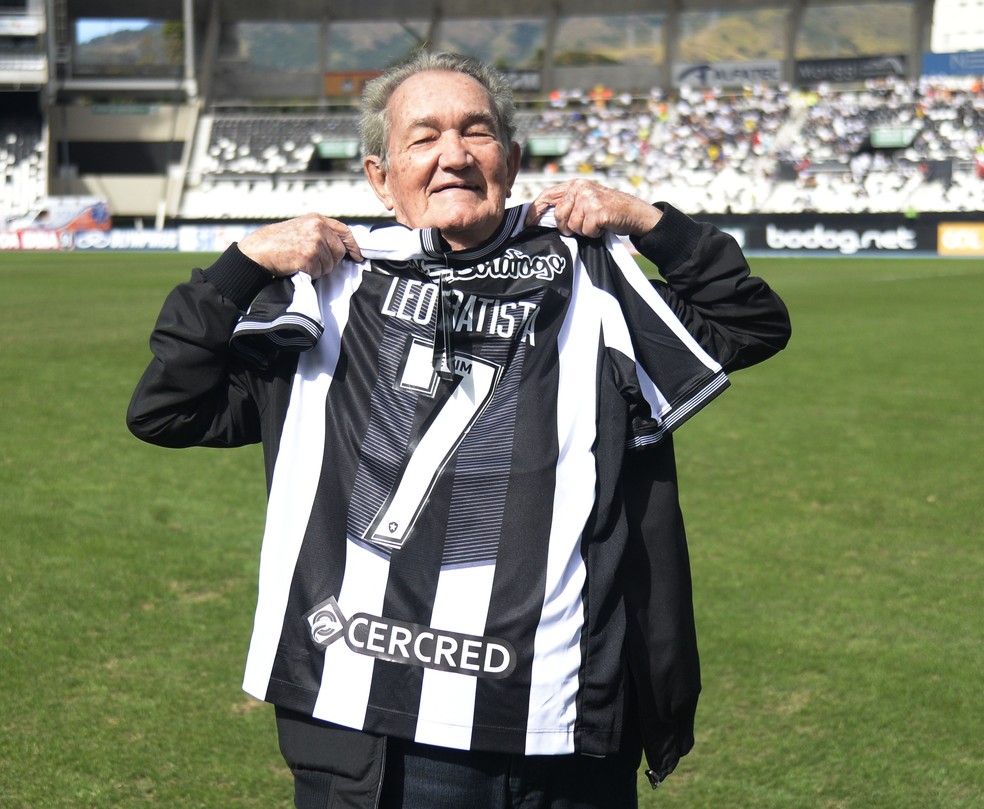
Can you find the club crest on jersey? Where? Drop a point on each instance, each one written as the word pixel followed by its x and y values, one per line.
pixel 411 644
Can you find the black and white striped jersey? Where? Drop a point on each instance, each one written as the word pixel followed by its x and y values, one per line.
pixel 444 526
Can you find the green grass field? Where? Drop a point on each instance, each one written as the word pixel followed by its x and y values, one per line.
pixel 834 503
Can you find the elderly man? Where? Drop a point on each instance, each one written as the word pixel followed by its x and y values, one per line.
pixel 474 587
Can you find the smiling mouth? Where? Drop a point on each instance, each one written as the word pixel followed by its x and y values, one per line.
pixel 462 187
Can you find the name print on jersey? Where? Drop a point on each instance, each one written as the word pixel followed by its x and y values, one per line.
pixel 417 302
pixel 411 644
pixel 495 318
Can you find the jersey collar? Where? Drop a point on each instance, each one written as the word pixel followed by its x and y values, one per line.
pixel 434 246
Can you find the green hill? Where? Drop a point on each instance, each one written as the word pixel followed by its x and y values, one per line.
pixel 840 31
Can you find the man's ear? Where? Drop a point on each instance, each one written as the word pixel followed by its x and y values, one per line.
pixel 376 174
pixel 512 164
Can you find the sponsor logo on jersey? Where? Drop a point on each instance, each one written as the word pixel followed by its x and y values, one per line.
pixel 327 623
pixel 411 644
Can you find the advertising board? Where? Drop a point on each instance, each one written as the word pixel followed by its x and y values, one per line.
pixel 814 71
pixel 961 239
pixel 727 74
pixel 834 235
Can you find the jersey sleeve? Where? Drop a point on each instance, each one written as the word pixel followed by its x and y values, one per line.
pixel 663 372
pixel 195 392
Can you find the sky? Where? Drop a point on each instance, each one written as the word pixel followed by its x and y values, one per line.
pixel 92 28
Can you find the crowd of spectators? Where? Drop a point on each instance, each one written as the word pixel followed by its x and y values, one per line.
pixel 863 149
pixel 695 143
pixel 892 144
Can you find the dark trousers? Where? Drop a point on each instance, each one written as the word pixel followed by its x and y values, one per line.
pixel 337 768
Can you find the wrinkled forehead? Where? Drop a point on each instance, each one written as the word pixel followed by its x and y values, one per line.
pixel 436 93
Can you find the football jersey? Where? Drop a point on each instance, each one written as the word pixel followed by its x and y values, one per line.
pixel 444 527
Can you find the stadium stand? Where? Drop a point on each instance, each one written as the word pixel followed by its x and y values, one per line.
pixel 285 144
pixel 23 171
pixel 187 143
pixel 933 132
pixel 769 149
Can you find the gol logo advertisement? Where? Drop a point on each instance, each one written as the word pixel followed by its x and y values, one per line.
pixel 961 239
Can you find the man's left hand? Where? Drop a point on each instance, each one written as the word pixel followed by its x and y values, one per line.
pixel 587 208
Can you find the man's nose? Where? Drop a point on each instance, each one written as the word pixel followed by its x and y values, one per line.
pixel 454 151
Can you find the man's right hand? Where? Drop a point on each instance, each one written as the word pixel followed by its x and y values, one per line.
pixel 311 243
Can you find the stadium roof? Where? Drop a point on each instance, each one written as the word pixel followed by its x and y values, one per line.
pixel 231 10
pixel 212 15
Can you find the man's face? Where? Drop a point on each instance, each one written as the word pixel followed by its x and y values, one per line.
pixel 447 167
